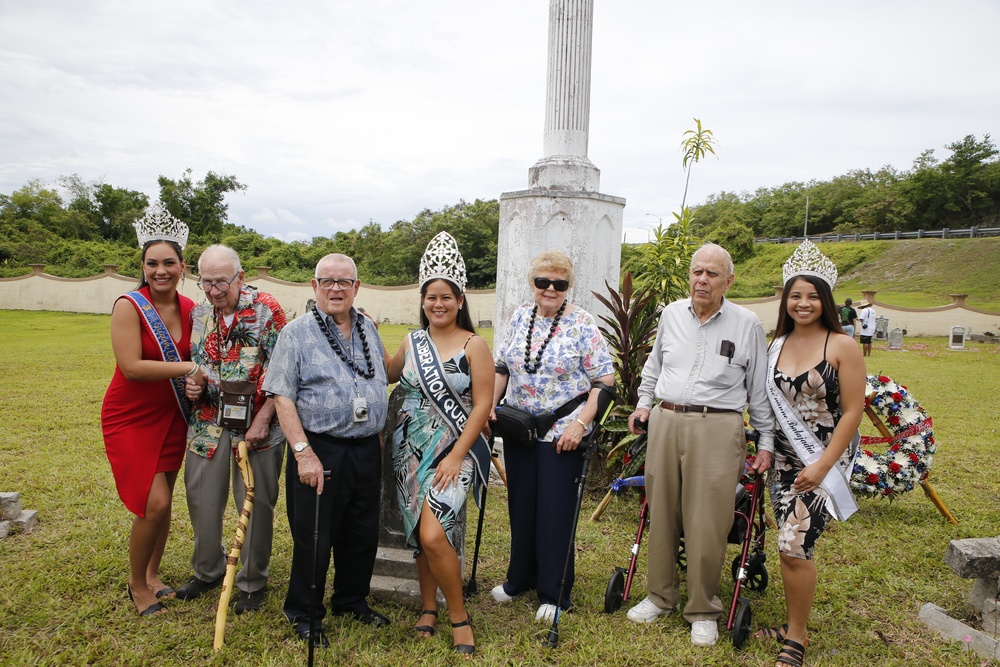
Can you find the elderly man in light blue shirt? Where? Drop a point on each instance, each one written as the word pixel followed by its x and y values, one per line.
pixel 708 364
pixel 328 379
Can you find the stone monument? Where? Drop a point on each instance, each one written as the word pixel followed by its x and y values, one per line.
pixel 563 208
pixel 957 340
pixel 896 339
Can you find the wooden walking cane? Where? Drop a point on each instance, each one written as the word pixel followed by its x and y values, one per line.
pixel 232 562
pixel 924 484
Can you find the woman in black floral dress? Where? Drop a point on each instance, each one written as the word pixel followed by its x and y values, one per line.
pixel 818 375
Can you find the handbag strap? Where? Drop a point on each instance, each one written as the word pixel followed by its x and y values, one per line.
pixel 545 421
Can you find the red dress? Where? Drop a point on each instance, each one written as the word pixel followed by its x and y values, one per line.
pixel 144 429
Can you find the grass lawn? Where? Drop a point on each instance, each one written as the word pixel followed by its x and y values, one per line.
pixel 62 588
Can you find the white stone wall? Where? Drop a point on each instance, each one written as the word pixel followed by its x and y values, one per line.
pixel 400 305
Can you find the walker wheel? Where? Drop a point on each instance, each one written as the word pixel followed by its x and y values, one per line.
pixel 741 625
pixel 756 572
pixel 616 589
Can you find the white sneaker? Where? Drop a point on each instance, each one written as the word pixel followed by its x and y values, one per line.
pixel 500 595
pixel 704 633
pixel 646 612
pixel 546 613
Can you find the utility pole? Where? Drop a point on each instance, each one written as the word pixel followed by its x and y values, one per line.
pixel 805 229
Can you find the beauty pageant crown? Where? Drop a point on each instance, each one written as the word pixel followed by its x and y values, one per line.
pixel 158 225
pixel 807 260
pixel 442 260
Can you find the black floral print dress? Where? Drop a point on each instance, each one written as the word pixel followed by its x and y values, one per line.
pixel 802 517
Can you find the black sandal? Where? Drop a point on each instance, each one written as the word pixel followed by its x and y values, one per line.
pixel 429 629
pixel 464 649
pixel 792 653
pixel 155 608
pixel 777 634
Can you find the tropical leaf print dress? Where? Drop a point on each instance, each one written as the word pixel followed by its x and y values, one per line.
pixel 421 439
pixel 802 517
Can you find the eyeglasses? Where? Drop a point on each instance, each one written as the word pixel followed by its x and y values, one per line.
pixel 557 285
pixel 342 283
pixel 221 285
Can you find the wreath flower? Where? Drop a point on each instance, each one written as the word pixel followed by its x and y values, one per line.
pixel 907 460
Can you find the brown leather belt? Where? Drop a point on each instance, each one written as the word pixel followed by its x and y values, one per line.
pixel 667 405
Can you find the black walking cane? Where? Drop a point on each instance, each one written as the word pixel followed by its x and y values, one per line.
pixel 315 575
pixel 605 401
pixel 472 587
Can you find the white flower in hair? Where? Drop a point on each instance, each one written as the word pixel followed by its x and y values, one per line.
pixel 443 260
pixel 158 225
pixel 807 260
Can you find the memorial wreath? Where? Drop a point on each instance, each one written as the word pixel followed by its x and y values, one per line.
pixel 911 446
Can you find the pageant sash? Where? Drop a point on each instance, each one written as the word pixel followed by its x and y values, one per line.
pixel 168 350
pixel 840 501
pixel 442 395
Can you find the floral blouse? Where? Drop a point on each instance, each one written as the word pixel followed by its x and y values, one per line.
pixel 241 352
pixel 576 355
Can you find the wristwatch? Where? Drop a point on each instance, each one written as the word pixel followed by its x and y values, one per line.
pixel 299 446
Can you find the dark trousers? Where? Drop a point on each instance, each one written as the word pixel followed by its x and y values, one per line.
pixel 541 500
pixel 348 525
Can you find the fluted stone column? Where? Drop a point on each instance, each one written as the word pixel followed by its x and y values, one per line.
pixel 563 208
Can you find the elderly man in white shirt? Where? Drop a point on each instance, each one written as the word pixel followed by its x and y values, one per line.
pixel 708 364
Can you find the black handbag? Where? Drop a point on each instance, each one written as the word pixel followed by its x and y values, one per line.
pixel 522 428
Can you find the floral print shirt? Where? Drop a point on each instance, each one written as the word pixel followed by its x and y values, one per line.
pixel 240 351
pixel 576 355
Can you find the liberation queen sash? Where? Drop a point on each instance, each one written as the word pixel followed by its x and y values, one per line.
pixel 840 501
pixel 168 351
pixel 442 395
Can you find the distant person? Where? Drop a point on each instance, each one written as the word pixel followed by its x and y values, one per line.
pixel 234 333
pixel 816 385
pixel 438 433
pixel 708 364
pixel 328 379
pixel 145 411
pixel 848 316
pixel 867 318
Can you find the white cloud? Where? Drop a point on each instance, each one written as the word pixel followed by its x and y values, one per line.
pixel 339 112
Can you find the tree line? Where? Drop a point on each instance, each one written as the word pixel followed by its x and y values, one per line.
pixel 959 191
pixel 74 226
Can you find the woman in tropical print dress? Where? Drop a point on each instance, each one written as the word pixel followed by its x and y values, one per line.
pixel 432 464
pixel 820 372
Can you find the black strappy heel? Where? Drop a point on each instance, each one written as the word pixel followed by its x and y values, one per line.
pixel 429 629
pixel 465 649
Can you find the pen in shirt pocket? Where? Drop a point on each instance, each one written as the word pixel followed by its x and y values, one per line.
pixel 727 349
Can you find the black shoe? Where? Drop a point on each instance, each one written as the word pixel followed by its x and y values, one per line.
pixel 250 601
pixel 196 588
pixel 368 617
pixel 302 630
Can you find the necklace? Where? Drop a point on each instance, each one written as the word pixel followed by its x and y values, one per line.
pixel 532 367
pixel 335 344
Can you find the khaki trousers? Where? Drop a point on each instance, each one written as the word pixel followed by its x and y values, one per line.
pixel 693 464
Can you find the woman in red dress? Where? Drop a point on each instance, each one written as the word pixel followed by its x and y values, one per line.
pixel 143 413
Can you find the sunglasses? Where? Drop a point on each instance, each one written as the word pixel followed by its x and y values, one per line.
pixel 557 285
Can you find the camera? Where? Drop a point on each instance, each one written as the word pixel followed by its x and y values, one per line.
pixel 359 409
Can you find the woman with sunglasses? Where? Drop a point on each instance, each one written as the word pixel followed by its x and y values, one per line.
pixel 550 356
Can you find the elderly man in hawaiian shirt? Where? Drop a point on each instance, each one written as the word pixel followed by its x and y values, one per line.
pixel 233 335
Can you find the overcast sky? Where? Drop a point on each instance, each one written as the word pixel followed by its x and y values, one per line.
pixel 337 112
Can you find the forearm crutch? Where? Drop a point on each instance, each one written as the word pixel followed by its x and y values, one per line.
pixel 605 401
pixel 232 562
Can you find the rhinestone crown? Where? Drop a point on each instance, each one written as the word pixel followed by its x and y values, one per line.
pixel 157 224
pixel 443 260
pixel 807 260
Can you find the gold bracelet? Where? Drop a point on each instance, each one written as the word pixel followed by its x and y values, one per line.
pixel 194 369
pixel 581 424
